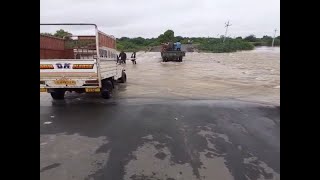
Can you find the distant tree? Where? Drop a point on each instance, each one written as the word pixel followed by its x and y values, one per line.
pixel 166 36
pixel 120 47
pixel 161 38
pixel 138 40
pixel 62 33
pixel 266 37
pixel 169 34
pixel 278 37
pixel 251 38
pixel 46 34
pixel 239 37
pixel 179 38
pixel 124 38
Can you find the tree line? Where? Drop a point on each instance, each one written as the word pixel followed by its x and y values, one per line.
pixel 209 44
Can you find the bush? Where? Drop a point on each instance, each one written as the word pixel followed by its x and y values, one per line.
pixel 230 45
pixel 259 43
pixel 251 38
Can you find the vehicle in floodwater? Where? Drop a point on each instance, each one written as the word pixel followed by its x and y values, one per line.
pixel 169 53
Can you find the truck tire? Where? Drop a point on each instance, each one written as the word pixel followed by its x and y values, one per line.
pixel 57 94
pixel 180 59
pixel 123 78
pixel 165 59
pixel 106 89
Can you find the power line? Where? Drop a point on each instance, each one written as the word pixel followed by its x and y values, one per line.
pixel 274 36
pixel 226 26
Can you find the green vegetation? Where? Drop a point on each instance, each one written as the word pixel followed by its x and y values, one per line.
pixel 62 33
pixel 230 45
pixel 264 41
pixel 59 33
pixel 136 44
pixel 166 36
pixel 139 43
pixel 215 45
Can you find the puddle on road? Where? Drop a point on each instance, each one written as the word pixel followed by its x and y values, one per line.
pixel 67 157
pixel 154 163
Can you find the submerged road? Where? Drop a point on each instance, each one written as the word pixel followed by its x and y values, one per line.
pixel 158 139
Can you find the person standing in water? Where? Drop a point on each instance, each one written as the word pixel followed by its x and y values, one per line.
pixel 133 56
pixel 123 57
pixel 178 45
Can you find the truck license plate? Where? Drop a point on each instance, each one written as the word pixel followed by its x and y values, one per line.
pixel 65 82
pixel 43 90
pixel 92 90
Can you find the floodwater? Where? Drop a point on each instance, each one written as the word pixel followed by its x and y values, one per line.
pixel 247 75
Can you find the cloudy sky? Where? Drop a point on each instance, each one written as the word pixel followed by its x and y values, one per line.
pixel 149 18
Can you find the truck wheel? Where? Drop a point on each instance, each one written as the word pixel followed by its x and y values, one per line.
pixel 180 59
pixel 106 89
pixel 57 94
pixel 123 78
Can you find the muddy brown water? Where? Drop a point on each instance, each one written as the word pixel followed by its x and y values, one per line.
pixel 247 75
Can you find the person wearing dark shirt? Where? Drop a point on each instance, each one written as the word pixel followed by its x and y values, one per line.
pixel 123 57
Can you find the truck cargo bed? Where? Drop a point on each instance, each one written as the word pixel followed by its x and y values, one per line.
pixel 172 55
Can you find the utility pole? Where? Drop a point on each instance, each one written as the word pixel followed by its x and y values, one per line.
pixel 226 26
pixel 274 36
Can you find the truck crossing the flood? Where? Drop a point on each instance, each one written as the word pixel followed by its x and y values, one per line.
pixel 170 53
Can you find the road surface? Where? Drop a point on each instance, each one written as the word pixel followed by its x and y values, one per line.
pixel 154 139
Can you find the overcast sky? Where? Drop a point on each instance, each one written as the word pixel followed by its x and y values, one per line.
pixel 150 18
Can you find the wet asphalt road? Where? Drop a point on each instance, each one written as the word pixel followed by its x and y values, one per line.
pixel 158 139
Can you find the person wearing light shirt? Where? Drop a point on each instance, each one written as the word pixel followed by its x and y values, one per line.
pixel 177 46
